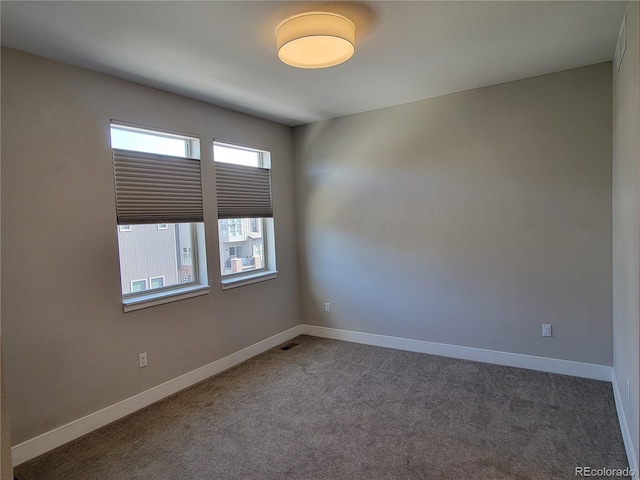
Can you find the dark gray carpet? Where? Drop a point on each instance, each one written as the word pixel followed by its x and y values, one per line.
pixel 327 409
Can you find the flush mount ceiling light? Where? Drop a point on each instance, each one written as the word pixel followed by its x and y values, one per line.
pixel 315 40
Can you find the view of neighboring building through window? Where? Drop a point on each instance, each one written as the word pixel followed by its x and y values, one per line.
pixel 155 256
pixel 242 240
pixel 149 253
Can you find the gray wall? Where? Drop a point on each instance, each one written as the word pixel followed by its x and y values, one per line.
pixel 68 348
pixel 468 219
pixel 626 240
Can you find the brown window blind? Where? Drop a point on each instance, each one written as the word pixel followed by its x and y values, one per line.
pixel 153 188
pixel 243 192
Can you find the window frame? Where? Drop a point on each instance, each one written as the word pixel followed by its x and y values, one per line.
pixel 151 279
pixel 199 284
pixel 137 281
pixel 266 227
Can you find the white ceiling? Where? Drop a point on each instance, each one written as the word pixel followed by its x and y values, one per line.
pixel 224 52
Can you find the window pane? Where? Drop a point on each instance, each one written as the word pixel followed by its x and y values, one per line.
pixel 250 158
pixel 139 285
pixel 145 142
pixel 147 252
pixel 241 247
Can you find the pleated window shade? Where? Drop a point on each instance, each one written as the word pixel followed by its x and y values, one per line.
pixel 153 188
pixel 243 192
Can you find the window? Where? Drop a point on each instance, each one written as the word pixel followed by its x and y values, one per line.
pixel 159 213
pixel 245 214
pixel 139 285
pixel 186 255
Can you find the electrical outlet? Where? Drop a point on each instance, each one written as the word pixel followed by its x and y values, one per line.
pixel 142 359
pixel 327 307
pixel 546 329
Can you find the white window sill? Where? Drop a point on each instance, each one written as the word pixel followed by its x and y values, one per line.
pixel 158 298
pixel 248 279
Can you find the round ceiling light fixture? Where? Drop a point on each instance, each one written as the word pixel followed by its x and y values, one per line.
pixel 315 40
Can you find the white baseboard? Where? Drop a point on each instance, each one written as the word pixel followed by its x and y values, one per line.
pixel 624 427
pixel 531 362
pixel 59 436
